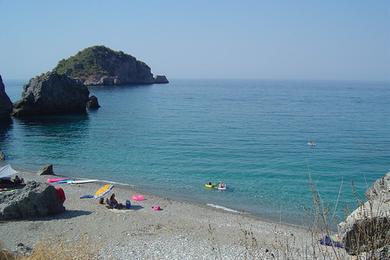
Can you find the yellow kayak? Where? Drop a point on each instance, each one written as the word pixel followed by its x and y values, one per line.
pixel 103 191
pixel 209 186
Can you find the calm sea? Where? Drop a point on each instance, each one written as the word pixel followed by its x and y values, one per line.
pixel 252 134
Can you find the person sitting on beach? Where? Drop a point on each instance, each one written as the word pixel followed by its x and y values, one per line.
pixel 18 180
pixel 113 203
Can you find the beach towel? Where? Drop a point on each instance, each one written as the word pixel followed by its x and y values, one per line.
pixel 86 197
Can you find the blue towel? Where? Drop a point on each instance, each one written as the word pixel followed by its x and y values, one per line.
pixel 86 197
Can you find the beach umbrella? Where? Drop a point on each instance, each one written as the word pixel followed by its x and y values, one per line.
pixel 7 171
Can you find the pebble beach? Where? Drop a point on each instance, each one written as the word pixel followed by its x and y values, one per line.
pixel 181 230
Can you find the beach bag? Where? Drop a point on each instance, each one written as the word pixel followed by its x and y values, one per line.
pixel 328 241
pixel 60 194
pixel 128 204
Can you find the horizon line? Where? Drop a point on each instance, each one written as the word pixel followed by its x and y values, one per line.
pixel 260 79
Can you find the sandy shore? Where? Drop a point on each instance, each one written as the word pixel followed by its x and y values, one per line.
pixel 180 231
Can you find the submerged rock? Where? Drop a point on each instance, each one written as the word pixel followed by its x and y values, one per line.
pixel 99 65
pixel 93 103
pixel 46 170
pixel 52 94
pixel 33 200
pixel 5 102
pixel 367 229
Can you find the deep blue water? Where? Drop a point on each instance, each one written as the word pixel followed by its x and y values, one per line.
pixel 252 134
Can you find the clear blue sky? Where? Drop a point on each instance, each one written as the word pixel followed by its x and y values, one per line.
pixel 204 39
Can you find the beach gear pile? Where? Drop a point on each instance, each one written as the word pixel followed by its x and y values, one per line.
pixel 6 181
pixel 111 202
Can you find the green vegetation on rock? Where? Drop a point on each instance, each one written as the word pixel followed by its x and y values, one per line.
pixel 99 65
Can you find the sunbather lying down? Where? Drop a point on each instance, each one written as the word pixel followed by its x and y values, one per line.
pixel 15 183
pixel 112 203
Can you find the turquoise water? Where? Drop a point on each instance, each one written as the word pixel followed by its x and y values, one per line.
pixel 252 134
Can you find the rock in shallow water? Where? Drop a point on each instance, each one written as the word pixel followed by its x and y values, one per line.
pixel 161 79
pixel 46 170
pixel 93 103
pixel 52 94
pixel 34 200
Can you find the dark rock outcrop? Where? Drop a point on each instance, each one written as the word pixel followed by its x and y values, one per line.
pixel 52 94
pixel 5 102
pixel 93 103
pixel 161 79
pixel 99 65
pixel 46 170
pixel 33 200
pixel 367 229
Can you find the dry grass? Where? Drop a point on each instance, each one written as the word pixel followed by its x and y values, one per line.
pixel 63 251
pixel 5 254
pixel 44 250
pixel 248 241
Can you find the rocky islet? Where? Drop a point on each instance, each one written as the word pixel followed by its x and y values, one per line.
pixel 64 90
pixel 52 94
pixel 102 66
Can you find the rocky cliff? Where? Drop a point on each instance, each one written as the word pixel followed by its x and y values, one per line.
pixel 5 102
pixel 50 94
pixel 99 65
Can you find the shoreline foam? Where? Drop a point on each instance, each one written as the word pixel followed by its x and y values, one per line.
pixel 223 208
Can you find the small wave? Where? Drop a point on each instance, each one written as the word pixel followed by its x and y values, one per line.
pixel 222 207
